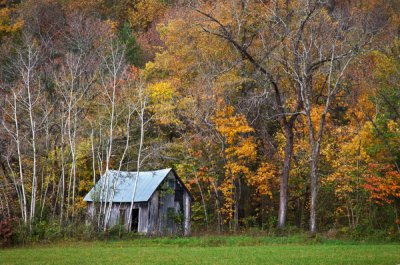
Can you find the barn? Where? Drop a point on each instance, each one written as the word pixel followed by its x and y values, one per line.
pixel 162 203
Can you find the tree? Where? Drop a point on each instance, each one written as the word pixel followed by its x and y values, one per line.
pixel 294 37
pixel 238 153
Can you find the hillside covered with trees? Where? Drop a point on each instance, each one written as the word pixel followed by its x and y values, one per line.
pixel 276 114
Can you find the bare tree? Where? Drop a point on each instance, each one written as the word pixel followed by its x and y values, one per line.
pixel 141 111
pixel 16 136
pixel 113 61
pixel 117 178
pixel 28 58
pixel 327 44
pixel 241 33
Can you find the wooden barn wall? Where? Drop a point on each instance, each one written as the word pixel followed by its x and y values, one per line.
pixel 124 210
pixel 143 215
pixel 153 215
pixel 120 214
pixel 166 200
pixel 90 210
pixel 143 218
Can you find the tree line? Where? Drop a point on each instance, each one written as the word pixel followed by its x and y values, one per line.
pixel 275 113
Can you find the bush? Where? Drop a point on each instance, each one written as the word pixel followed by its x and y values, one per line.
pixel 6 232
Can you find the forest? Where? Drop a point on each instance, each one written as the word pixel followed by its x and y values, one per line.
pixel 277 114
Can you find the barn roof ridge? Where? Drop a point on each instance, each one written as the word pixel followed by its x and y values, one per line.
pixel 134 171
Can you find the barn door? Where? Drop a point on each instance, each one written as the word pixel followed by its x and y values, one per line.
pixel 135 220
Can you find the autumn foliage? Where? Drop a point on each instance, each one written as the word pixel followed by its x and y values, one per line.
pixel 274 113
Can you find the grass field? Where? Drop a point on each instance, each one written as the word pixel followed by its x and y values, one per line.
pixel 206 250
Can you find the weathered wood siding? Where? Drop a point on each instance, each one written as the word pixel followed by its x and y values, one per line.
pixel 153 214
pixel 143 218
pixel 167 212
pixel 114 215
pixel 143 215
pixel 166 225
pixel 174 208
pixel 90 210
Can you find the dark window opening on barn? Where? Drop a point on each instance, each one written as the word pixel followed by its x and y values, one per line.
pixel 121 216
pixel 170 217
pixel 171 183
pixel 135 220
pixel 179 195
pixel 179 198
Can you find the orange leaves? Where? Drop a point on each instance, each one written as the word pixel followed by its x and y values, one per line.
pixel 240 157
pixel 231 125
pixel 7 25
pixel 235 169
pixel 240 152
pixel 234 128
pixel 316 114
pixel 245 149
pixel 264 179
pixel 383 183
pixel 134 73
pixel 227 189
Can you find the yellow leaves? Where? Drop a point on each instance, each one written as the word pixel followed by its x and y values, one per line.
pixel 393 126
pixel 234 169
pixel 384 65
pixel 364 160
pixel 150 70
pixel 342 181
pixel 264 179
pixel 344 157
pixel 240 153
pixel 316 113
pixel 161 95
pixel 231 126
pixel 227 189
pixel 188 48
pixel 281 142
pixel 145 12
pixel 161 91
pixel 376 145
pixel 7 25
pixel 245 149
pixel 112 24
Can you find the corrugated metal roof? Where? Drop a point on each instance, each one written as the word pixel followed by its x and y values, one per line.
pixel 124 183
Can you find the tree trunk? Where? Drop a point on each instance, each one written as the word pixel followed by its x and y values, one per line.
pixel 20 166
pixel 202 196
pixel 218 208
pixel 236 205
pixel 141 112
pixel 284 179
pixel 313 198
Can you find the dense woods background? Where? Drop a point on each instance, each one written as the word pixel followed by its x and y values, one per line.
pixel 275 113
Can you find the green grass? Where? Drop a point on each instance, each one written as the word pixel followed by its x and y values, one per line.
pixel 206 250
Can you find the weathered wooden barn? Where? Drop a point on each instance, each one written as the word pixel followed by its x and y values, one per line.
pixel 162 203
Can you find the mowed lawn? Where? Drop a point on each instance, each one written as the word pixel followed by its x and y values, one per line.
pixel 196 251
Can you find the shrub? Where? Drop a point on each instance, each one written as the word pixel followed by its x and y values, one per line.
pixel 6 232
